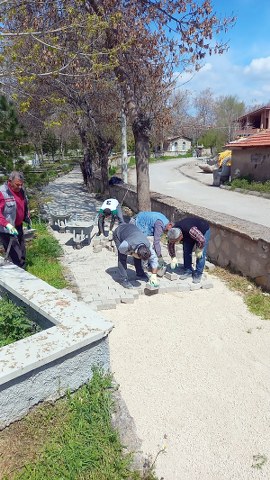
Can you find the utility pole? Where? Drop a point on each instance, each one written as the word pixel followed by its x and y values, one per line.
pixel 124 158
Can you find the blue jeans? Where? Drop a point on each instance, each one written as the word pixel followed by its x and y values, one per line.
pixel 200 262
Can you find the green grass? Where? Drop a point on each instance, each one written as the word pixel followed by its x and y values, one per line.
pixel 84 445
pixel 248 184
pixel 257 301
pixel 42 257
pixel 14 324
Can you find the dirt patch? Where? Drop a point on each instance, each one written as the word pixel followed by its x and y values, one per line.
pixel 22 442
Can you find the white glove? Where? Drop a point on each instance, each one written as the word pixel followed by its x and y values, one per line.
pixel 153 280
pixel 12 230
pixel 199 252
pixel 110 236
pixel 174 263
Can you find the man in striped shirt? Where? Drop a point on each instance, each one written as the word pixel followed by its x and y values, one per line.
pixel 192 232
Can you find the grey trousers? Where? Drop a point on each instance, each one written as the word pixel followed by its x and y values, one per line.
pixel 17 250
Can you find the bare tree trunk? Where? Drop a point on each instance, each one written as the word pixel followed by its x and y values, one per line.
pixel 124 160
pixel 86 164
pixel 142 153
pixel 104 149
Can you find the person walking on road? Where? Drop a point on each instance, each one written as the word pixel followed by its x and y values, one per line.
pixel 193 232
pixel 109 208
pixel 13 212
pixel 129 240
pixel 153 224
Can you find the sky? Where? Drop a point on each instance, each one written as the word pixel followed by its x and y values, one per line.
pixel 243 71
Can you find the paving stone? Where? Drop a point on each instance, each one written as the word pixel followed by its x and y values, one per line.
pixel 183 287
pixel 195 286
pixel 109 305
pixel 127 298
pixel 171 276
pixel 174 287
pixel 164 289
pixel 151 288
pixel 161 272
pixel 88 298
pixel 149 292
pixel 97 248
pixel 207 284
pixel 210 266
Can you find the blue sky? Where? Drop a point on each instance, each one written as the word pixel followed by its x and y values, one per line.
pixel 244 71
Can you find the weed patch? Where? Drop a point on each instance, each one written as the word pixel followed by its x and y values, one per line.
pixel 14 324
pixel 248 184
pixel 79 441
pixel 42 256
pixel 257 301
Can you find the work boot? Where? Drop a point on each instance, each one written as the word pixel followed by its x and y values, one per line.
pixel 126 284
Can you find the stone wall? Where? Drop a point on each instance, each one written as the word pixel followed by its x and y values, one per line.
pixel 253 162
pixel 47 364
pixel 242 246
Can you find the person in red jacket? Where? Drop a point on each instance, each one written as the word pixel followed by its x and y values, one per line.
pixel 13 212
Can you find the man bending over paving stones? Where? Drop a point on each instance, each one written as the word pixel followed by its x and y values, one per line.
pixel 129 240
pixel 109 208
pixel 153 224
pixel 192 232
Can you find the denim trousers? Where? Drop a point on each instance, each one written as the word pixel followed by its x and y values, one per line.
pixel 200 262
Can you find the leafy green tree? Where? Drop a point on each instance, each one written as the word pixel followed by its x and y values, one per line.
pixel 11 134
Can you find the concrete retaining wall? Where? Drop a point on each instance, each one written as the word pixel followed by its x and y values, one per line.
pixel 242 246
pixel 44 366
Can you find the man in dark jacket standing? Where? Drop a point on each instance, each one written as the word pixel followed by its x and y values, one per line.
pixel 193 232
pixel 129 240
pixel 13 212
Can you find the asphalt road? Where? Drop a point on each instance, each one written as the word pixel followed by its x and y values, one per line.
pixel 166 178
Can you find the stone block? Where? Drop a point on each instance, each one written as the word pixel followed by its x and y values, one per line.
pixel 195 286
pixel 150 290
pixel 207 284
pixel 108 305
pixel 171 276
pixel 97 248
pixel 150 287
pixel 183 287
pixel 127 299
pixel 164 289
pixel 161 272
pixel 210 266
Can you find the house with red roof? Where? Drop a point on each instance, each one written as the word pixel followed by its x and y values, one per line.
pixel 251 156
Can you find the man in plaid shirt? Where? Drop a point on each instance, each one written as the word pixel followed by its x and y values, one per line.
pixel 192 232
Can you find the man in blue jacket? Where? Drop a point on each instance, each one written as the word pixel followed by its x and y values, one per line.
pixel 153 224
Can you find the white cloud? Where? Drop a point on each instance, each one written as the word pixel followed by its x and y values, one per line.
pixel 249 83
pixel 258 66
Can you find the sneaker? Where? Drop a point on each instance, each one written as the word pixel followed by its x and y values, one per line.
pixel 185 275
pixel 126 284
pixel 197 279
pixel 143 277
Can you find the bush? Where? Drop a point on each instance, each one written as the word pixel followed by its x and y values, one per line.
pixel 246 183
pixel 41 257
pixel 14 325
